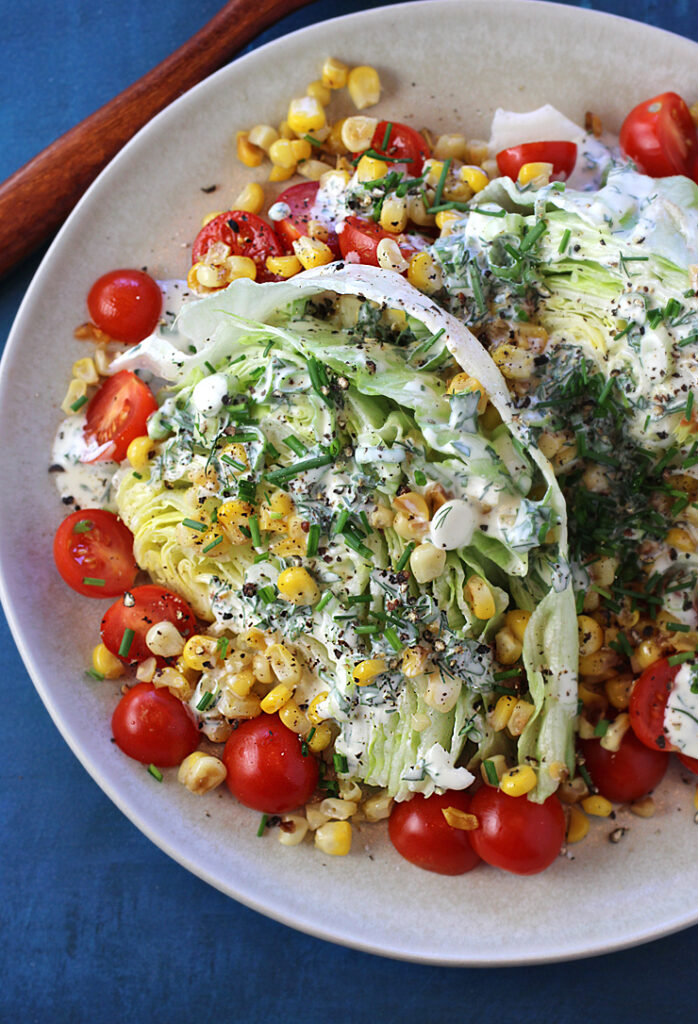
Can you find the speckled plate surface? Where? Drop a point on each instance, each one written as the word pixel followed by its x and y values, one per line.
pixel 445 65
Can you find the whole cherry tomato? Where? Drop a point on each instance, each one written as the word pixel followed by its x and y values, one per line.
pixel 629 773
pixel 421 834
pixel 153 727
pixel 125 304
pixel 515 833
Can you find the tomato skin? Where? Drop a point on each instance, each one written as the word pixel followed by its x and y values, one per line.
pixel 153 727
pixel 420 833
pixel 300 199
pixel 125 304
pixel 266 766
pixel 116 414
pixel 105 551
pixel 562 155
pixel 362 237
pixel 405 145
pixel 648 702
pixel 151 604
pixel 661 138
pixel 514 833
pixel 253 238
pixel 689 762
pixel 629 773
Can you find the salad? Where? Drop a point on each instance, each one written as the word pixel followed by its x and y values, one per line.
pixel 396 494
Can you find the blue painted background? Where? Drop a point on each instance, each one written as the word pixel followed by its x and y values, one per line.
pixel 96 924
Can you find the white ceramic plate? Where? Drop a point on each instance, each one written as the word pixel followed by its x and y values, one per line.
pixel 445 65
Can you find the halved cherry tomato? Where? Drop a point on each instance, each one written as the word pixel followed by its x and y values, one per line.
pixel 153 727
pixel 648 702
pixel 138 610
pixel 420 833
pixel 300 199
pixel 117 414
pixel 562 155
pixel 126 304
pixel 629 773
pixel 267 768
pixel 689 762
pixel 245 234
pixel 516 834
pixel 660 136
pixel 95 545
pixel 404 145
pixel 362 237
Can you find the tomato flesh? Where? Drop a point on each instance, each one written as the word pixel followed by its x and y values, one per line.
pixel 660 137
pixel 420 833
pixel 138 610
pixel 153 727
pixel 648 702
pixel 404 145
pixel 689 762
pixel 516 834
pixel 95 545
pixel 267 767
pixel 300 200
pixel 125 304
pixel 629 773
pixel 245 234
pixel 116 414
pixel 360 238
pixel 562 155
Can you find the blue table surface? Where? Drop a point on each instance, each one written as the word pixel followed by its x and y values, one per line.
pixel 99 925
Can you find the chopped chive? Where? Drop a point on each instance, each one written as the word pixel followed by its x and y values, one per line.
pixel 138 476
pixel 677 627
pixel 312 141
pixel 126 641
pixel 83 526
pixel 254 531
pixel 206 701
pixel 194 524
pixel 508 674
pixel 442 181
pixel 601 727
pixel 353 542
pixel 213 544
pixel 476 285
pixel 564 240
pixel 368 630
pixel 263 557
pixel 626 330
pixel 93 581
pixel 304 748
pixel 94 674
pixel 247 490
pixel 689 405
pixel 233 462
pixel 211 369
pixel 605 392
pixel 246 532
pixel 262 825
pixel 586 776
pixel 267 594
pixel 532 236
pixel 238 359
pixel 312 733
pixel 222 646
pixel 393 639
pixel 318 378
pixel 313 540
pixel 603 593
pixel 491 773
pixel 488 213
pixel 359 599
pixel 289 472
pixel 691 339
pixel 676 659
pixel 579 602
pixel 405 556
pixel 341 521
pixel 386 137
pixel 155 772
pixel 78 403
pixel 323 602
pixel 420 478
pixel 295 445
pixel 340 763
pixel 452 204
pixel 244 437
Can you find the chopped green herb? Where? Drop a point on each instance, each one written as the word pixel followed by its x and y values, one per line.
pixel 564 240
pixel 313 540
pixel 312 141
pixel 340 763
pixel 222 647
pixel 322 603
pixel 194 524
pixel 211 369
pixel 213 544
pixel 268 593
pixel 295 445
pixel 491 773
pixel 255 535
pixel 359 599
pixel 386 137
pixel 532 236
pixel 355 543
pixel 508 674
pixel 677 627
pixel 78 403
pixel 206 701
pixel 441 182
pixel 83 526
pixel 601 727
pixel 488 213
pixel 286 473
pixel 393 639
pixel 262 825
pixel 405 556
pixel 420 478
pixel 94 674
pixel 230 461
pixel 369 630
pixel 263 557
pixel 126 641
pixel 155 772
pixel 93 581
pixel 677 659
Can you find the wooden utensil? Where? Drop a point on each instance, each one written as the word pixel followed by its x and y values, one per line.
pixel 37 198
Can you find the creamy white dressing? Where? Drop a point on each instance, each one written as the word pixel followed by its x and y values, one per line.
pixel 207 396
pixel 681 714
pixel 80 484
pixel 455 523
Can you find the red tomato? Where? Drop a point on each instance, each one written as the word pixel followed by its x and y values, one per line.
pixel 648 703
pixel 267 769
pixel 420 833
pixel 405 145
pixel 660 136
pixel 245 234
pixel 300 199
pixel 95 545
pixel 126 304
pixel 154 727
pixel 514 833
pixel 629 773
pixel 117 414
pixel 139 609
pixel 562 155
pixel 362 237
pixel 689 762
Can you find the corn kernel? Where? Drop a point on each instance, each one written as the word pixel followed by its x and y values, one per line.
pixel 85 369
pixel 231 516
pixel 285 664
pixel 378 807
pixel 515 363
pixel 475 177
pixel 450 147
pixel 253 639
pixel 207 218
pixel 518 781
pixel 305 114
pixel 578 825
pixel 520 717
pixel 176 682
pixel 367 670
pixel 140 451
pixel 507 646
pixel 263 136
pixel 480 597
pixel 251 199
pixel 369 169
pixel 424 274
pixel 77 389
pixel 357 133
pixel 243 682
pixel 680 539
pixel 312 253
pixel 249 155
pixel 338 808
pixel 285 132
pixel 536 173
pixel 106 663
pixel 301 149
pixel 164 640
pixel 645 655
pixel 276 699
pixel 294 719
pixel 199 652
pixel 320 92
pixel 517 620
pixel 591 636
pixel 364 86
pixel 414 661
pixel 281 173
pixel 334 73
pixel 390 257
pixel 464 382
pixel 145 670
pixel 502 713
pixel 613 737
pixel 334 838
pixel 281 154
pixel 618 690
pixel 460 819
pixel 498 765
pixel 261 666
pixel 442 693
pixel 645 807
pixel 446 221
pixel 293 829
pixel 321 738
pixel 298 586
pixel 314 170
pixel 597 805
pixel 417 211
pixel 201 772
pixel 314 715
pixel 432 171
pixel 284 266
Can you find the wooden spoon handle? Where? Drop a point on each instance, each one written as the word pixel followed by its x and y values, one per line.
pixel 37 198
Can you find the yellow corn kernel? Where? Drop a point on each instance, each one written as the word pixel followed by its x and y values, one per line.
pixel 285 132
pixel 446 221
pixel 502 713
pixel 424 274
pixel 276 699
pixel 389 256
pixel 475 177
pixel 393 215
pixel 645 655
pixel 417 211
pixel 231 516
pixel 281 173
pixel 508 647
pixel 293 829
pixel 176 682
pixel 450 147
pixel 321 738
pixel 284 266
pixel 140 451
pixel 578 825
pixel 298 586
pixel 251 199
pixel 613 737
pixel 518 781
pixel 164 640
pixel 517 620
pixel 145 670
pixel 498 764
pixel 199 652
pixel 515 363
pixel 598 666
pixel 520 717
pixel 201 772
pixel 263 136
pixel 357 133
pixel 253 639
pixel 249 155
pixel 281 154
pixel 536 172
pixel 381 517
pixel 338 808
pixel 314 170
pixel 77 389
pixel 285 664
pixel 239 266
pixel 85 369
pixel 597 805
pixel 334 838
pixel 442 693
pixel 432 171
pixel 367 670
pixel 294 719
pixel 618 690
pixel 301 149
pixel 334 73
pixel 243 682
pixel 312 253
pixel 369 169
pixel 645 807
pixel 193 278
pixel 480 597
pixel 207 218
pixel 460 819
pixel 261 666
pixel 414 661
pixel 364 86
pixel 412 504
pixel 314 716
pixel 305 114
pixel 378 807
pixel 464 382
pixel 680 539
pixel 273 516
pixel 232 706
pixel 558 771
pixel 591 635
pixel 106 663
pixel 320 92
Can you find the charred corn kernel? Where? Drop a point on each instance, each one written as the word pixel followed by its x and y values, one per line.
pixel 276 699
pixel 284 266
pixel 77 389
pixel 263 136
pixel 369 169
pixel 140 451
pixel 314 716
pixel 338 808
pixel 298 586
pixel 591 635
pixel 460 819
pixel 520 717
pixel 145 670
pixel 645 655
pixel 558 771
pixel 378 806
pixel 450 147
pixel 578 825
pixel 201 772
pixel 334 73
pixel 618 690
pixel 536 173
pixel 389 256
pixel 442 693
pixel 515 363
pixel 253 639
pixel 414 661
pixel 193 278
pixel 281 153
pixel 517 620
pixel 305 114
pixel 85 369
pixel 232 706
pixel 207 218
pixel 367 670
pixel 242 683
pixel 597 805
pixel 164 640
pixel 498 765
pixel 381 517
pixel 334 838
pixel 312 253
pixel 231 516
pixel 251 199
pixel 301 149
pixel 680 539
pixel 281 173
pixel 285 664
pixel 507 646
pixel 249 155
pixel 598 665
pixel 645 807
pixel 314 170
pixel 393 215
pixel 357 133
pixel 294 719
pixel 571 791
pixel 410 527
pixel 106 663
pixel 293 829
pixel 436 496
pixel 464 382
pixel 613 736
pixel 480 597
pixel 261 666
pixel 427 563
pixel 413 504
pixel 176 682
pixel 502 713
pixel 364 86
pixel 446 221
pixel 321 738
pixel 424 274
pixel 518 781
pixel 212 276
pixel 319 91
pixel 473 176
pixel 199 652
